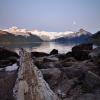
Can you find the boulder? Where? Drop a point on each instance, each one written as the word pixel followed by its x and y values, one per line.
pixel 89 96
pixel 61 56
pixel 95 56
pixel 7 57
pixel 47 62
pixel 50 59
pixel 7 81
pixel 68 62
pixel 81 55
pixel 5 54
pixel 81 52
pixel 64 56
pixel 80 47
pixel 72 72
pixel 69 54
pixel 54 51
pixel 92 80
pixel 39 54
pixel 51 75
pixel 70 59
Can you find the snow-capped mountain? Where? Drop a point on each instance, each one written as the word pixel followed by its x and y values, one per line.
pixel 81 36
pixel 46 36
pixel 42 34
pixel 16 31
pixel 7 37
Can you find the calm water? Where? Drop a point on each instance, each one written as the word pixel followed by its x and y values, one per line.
pixel 41 47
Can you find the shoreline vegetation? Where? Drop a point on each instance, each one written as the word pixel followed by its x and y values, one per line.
pixel 74 75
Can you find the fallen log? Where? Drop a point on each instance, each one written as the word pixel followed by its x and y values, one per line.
pixel 30 84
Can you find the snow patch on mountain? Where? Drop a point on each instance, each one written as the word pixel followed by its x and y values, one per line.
pixel 44 34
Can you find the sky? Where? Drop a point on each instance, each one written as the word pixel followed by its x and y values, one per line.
pixel 51 15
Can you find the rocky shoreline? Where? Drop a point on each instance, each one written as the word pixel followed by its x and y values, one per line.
pixel 72 76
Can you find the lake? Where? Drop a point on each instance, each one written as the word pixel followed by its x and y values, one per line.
pixel 40 47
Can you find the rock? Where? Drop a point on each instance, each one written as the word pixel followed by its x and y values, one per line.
pixel 54 51
pixel 47 62
pixel 30 84
pixel 70 59
pixel 91 80
pixel 81 52
pixel 78 69
pixel 50 59
pixel 5 54
pixel 89 96
pixel 82 47
pixel 61 56
pixel 95 52
pixel 47 65
pixel 68 62
pixel 7 81
pixel 64 56
pixel 51 75
pixel 39 54
pixel 81 55
pixel 69 54
pixel 95 55
pixel 72 72
pixel 38 62
pixel 4 63
pixel 7 57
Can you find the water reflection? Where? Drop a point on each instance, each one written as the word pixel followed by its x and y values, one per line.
pixel 41 47
pixel 48 46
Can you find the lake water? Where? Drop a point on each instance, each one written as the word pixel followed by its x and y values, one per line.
pixel 41 47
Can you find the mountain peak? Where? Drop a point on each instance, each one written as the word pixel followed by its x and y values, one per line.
pixel 82 30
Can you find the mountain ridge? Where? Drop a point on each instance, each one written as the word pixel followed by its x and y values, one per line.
pixel 44 35
pixel 6 37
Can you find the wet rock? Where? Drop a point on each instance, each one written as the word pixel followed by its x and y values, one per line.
pixel 7 81
pixel 39 54
pixel 38 62
pixel 7 57
pixel 64 56
pixel 72 72
pixel 81 52
pixel 50 59
pixel 54 51
pixel 70 59
pixel 51 75
pixel 47 65
pixel 4 63
pixel 48 62
pixel 68 62
pixel 81 55
pixel 80 47
pixel 88 96
pixel 5 54
pixel 92 80
pixel 61 56
pixel 69 54
pixel 95 55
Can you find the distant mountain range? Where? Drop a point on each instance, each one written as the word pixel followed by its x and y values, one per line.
pixel 15 34
pixel 77 37
pixel 6 37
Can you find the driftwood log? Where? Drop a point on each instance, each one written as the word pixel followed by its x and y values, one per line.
pixel 30 84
